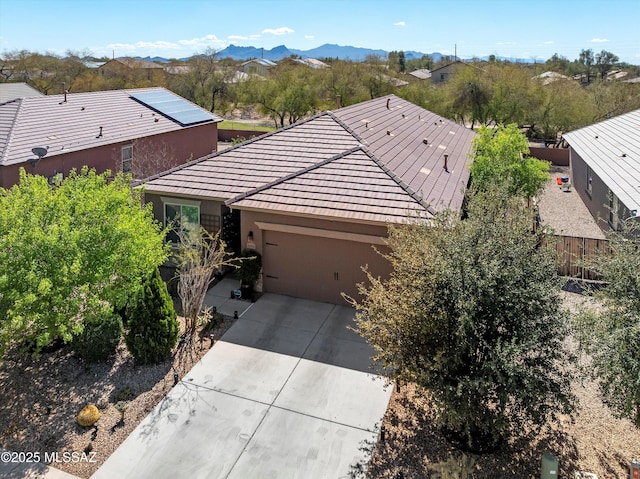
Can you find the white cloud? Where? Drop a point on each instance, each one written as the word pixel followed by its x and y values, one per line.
pixel 205 41
pixel 237 37
pixel 549 42
pixel 399 24
pixel 599 40
pixel 161 47
pixel 505 43
pixel 254 36
pixel 278 31
pixel 132 47
pixel 309 37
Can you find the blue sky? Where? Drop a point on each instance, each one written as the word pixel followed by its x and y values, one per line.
pixel 178 28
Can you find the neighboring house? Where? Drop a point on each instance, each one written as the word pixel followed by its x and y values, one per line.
pixel 257 66
pixel 446 72
pixel 605 168
pixel 549 77
pixel 315 197
pixel 132 67
pixel 616 75
pixel 312 63
pixel 144 130
pixel 421 74
pixel 11 91
pixel 177 69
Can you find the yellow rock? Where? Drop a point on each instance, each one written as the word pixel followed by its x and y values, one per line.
pixel 88 416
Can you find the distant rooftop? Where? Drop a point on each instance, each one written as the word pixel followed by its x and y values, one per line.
pixel 11 91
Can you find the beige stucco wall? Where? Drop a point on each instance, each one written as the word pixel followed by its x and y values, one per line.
pixel 314 258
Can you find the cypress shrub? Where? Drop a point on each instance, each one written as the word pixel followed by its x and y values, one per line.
pixel 152 322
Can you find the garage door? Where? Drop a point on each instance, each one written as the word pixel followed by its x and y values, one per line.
pixel 315 267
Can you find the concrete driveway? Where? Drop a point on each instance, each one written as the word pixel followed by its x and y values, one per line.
pixel 285 393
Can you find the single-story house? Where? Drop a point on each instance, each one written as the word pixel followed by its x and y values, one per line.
pixel 315 198
pixel 257 66
pixel 142 131
pixel 605 168
pixel 11 91
pixel 128 66
pixel 446 72
pixel 421 74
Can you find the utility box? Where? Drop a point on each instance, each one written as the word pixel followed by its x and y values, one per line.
pixel 635 469
pixel 549 468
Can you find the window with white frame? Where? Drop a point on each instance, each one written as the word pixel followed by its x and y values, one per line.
pixel 180 214
pixel 127 158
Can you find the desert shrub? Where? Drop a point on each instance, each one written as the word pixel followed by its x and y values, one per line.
pixel 152 322
pixel 99 338
pixel 215 320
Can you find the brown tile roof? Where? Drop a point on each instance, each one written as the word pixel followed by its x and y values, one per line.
pixel 365 162
pixel 351 185
pixel 137 63
pixel 75 124
pixel 396 135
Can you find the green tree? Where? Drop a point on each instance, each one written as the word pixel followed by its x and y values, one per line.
pixel 287 95
pixel 563 106
pixel 586 59
pixel 152 322
pixel 612 336
pixel 499 159
pixel 469 93
pixel 471 314
pixel 559 64
pixel 604 61
pixel 70 253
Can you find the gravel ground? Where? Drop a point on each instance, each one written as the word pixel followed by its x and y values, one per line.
pixel 565 211
pixel 593 441
pixel 41 398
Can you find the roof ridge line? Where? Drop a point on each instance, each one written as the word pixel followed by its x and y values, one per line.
pixel 346 127
pixel 407 189
pixel 222 152
pixel 20 102
pixel 290 176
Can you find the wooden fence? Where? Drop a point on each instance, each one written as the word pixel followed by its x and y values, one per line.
pixel 576 254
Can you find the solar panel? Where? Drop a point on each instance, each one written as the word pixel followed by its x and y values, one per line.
pixel 173 107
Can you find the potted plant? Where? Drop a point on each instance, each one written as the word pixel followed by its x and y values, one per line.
pixel 248 271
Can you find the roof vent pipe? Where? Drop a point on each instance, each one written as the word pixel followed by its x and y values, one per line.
pixel 446 166
pixel 99 134
pixel 388 99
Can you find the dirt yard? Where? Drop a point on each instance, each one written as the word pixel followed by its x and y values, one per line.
pixel 42 397
pixel 593 442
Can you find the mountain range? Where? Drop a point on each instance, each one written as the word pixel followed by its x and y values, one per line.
pixel 324 51
pixel 327 50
